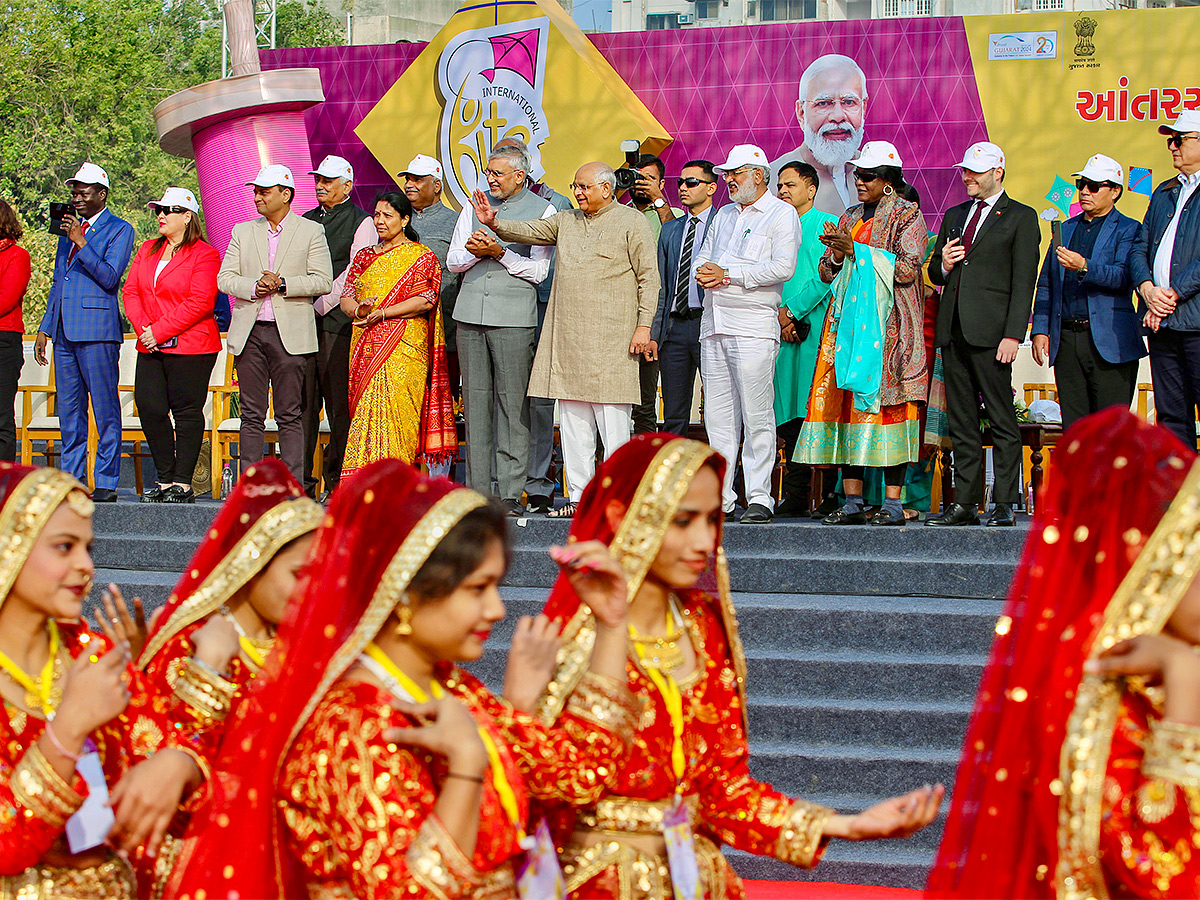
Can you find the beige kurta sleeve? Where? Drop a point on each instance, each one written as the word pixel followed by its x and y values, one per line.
pixel 643 259
pixel 543 232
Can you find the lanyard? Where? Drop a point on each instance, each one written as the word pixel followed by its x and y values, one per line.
pixel 252 652
pixel 379 663
pixel 38 691
pixel 668 688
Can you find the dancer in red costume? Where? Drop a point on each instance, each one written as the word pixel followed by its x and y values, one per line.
pixel 368 765
pixel 1080 775
pixel 656 503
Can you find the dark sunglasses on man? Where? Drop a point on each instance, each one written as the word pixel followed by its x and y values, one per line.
pixel 1175 141
pixel 694 182
pixel 165 210
pixel 1093 186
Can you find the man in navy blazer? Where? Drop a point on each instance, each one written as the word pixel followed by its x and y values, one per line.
pixel 83 321
pixel 1084 319
pixel 676 328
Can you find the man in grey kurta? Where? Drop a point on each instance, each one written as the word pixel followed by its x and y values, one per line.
pixel 598 322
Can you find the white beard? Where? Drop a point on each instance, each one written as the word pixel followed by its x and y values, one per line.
pixel 745 194
pixel 829 153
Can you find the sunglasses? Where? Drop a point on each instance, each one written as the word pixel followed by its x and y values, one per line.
pixel 1093 186
pixel 865 177
pixel 166 210
pixel 1175 141
pixel 694 182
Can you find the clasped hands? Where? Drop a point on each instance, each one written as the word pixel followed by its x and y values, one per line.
pixel 369 313
pixel 839 241
pixel 1160 303
pixel 482 244
pixel 269 283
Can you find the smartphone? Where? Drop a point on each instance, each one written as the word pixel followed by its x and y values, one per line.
pixel 169 343
pixel 57 212
pixel 1055 234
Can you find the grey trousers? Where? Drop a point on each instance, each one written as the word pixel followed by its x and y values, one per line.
pixel 264 364
pixel 495 364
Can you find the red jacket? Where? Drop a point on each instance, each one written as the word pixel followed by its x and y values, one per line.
pixel 14 279
pixel 181 304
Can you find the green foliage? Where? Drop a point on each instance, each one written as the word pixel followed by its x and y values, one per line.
pixel 81 79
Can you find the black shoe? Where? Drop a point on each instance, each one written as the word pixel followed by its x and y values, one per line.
pixel 887 517
pixel 538 504
pixel 513 508
pixel 792 508
pixel 955 514
pixel 1002 515
pixel 104 495
pixel 154 494
pixel 730 516
pixel 843 516
pixel 756 514
pixel 828 505
pixel 176 494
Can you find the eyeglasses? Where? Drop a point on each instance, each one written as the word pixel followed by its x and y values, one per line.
pixel 1175 141
pixel 166 210
pixel 865 177
pixel 1092 186
pixel 732 173
pixel 497 174
pixel 581 187
pixel 694 182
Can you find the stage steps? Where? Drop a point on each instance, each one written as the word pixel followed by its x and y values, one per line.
pixel 864 648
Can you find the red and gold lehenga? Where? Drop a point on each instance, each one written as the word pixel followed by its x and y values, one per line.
pixel 605 851
pixel 35 801
pixel 266 511
pixel 324 806
pixel 1073 785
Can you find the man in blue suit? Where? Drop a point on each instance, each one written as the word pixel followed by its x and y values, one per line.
pixel 676 329
pixel 1084 319
pixel 83 320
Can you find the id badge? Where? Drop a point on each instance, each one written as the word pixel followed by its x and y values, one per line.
pixel 681 852
pixel 93 820
pixel 540 878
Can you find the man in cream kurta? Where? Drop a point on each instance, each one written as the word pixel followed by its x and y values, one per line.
pixel 598 321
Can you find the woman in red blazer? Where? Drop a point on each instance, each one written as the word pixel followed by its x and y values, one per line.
pixel 169 296
pixel 14 279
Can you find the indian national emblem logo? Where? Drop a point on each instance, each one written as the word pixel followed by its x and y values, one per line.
pixel 1085 27
pixel 490 81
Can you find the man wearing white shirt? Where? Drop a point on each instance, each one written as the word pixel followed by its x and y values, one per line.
pixel 1165 266
pixel 496 312
pixel 748 254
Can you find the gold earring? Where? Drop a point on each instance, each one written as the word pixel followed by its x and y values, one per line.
pixel 404 614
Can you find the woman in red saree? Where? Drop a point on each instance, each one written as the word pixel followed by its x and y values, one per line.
pixel 336 790
pixel 78 724
pixel 656 503
pixel 400 404
pixel 218 627
pixel 1076 781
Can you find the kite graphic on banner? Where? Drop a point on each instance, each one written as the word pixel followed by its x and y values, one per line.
pixel 520 68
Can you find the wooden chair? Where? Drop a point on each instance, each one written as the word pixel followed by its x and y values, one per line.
pixel 37 417
pixel 1145 401
pixel 131 421
pixel 1043 391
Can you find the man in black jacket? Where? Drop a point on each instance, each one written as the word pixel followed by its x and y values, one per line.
pixel 1165 267
pixel 986 257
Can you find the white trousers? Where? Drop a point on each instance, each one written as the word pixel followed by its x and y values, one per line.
pixel 738 374
pixel 578 423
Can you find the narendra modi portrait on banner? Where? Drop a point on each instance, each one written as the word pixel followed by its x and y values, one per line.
pixel 831 109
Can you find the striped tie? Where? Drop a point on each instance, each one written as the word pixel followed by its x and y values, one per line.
pixel 683 281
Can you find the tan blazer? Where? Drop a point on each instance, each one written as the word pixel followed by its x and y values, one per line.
pixel 301 259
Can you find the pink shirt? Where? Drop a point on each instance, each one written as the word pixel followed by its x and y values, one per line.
pixel 266 312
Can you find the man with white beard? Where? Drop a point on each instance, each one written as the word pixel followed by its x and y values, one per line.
pixel 831 109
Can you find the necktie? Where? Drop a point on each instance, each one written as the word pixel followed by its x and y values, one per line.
pixel 968 237
pixel 75 248
pixel 683 281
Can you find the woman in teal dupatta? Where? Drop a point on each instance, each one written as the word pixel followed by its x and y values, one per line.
pixel 871 373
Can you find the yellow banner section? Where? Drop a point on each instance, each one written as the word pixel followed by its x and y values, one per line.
pixel 484 77
pixel 1070 85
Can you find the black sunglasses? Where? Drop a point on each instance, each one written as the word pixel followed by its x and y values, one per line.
pixel 865 177
pixel 168 209
pixel 1093 186
pixel 694 182
pixel 1175 141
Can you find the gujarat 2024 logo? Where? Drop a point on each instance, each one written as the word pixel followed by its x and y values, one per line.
pixel 490 82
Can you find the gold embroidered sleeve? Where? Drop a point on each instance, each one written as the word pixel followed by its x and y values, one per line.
pixel 606 703
pixel 42 791
pixel 436 863
pixel 801 840
pixel 206 694
pixel 1173 753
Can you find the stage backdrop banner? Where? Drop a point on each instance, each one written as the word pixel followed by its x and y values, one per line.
pixel 1050 88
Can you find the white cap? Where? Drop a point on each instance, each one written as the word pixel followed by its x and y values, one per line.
pixel 89 173
pixel 982 157
pixel 423 165
pixel 1102 168
pixel 1188 121
pixel 878 153
pixel 174 196
pixel 334 167
pixel 274 176
pixel 743 155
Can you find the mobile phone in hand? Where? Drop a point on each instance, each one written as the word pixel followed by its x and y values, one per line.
pixel 58 211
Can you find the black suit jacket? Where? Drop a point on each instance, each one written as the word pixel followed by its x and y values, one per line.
pixel 993 285
pixel 670 247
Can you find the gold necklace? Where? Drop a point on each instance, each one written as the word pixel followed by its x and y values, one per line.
pixel 662 653
pixel 45 691
pixel 256 649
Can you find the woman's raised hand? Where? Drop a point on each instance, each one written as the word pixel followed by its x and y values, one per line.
pixel 897 817
pixel 216 643
pixel 448 730
pixel 598 579
pixel 96 692
pixel 119 625
pixel 531 661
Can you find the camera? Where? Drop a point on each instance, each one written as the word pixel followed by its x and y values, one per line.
pixel 627 175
